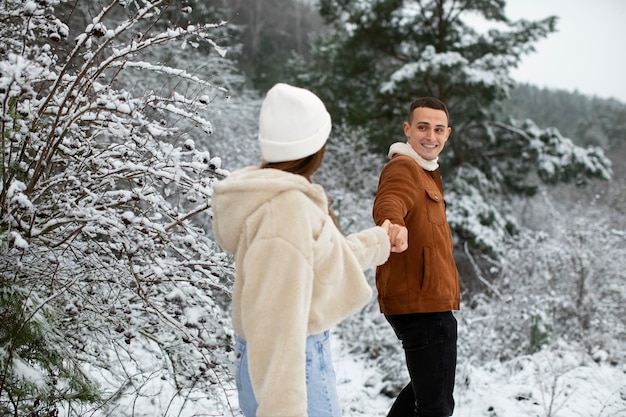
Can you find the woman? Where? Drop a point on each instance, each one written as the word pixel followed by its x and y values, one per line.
pixel 296 275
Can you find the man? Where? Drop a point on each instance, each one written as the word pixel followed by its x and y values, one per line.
pixel 419 288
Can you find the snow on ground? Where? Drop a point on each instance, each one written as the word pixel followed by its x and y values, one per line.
pixel 561 382
pixel 550 383
pixel 358 384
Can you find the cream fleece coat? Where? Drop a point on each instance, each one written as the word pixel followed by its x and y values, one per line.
pixel 296 275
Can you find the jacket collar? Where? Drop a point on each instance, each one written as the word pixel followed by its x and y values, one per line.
pixel 403 148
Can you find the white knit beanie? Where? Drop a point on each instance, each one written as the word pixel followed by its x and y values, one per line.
pixel 293 124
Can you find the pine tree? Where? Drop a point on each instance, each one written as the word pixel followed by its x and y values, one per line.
pixel 391 51
pixel 382 54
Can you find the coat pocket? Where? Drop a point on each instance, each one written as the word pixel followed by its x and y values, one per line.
pixel 435 207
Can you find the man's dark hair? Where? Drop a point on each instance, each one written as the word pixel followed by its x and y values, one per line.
pixel 430 102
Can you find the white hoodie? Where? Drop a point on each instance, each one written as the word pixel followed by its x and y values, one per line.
pixel 296 275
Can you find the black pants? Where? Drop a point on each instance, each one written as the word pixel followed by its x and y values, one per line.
pixel 429 342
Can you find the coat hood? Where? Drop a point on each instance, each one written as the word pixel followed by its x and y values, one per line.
pixel 247 190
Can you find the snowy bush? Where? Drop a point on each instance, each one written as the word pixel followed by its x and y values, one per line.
pixel 561 283
pixel 112 290
pixel 349 174
pixel 510 161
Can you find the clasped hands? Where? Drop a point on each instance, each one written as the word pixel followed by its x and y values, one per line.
pixel 398 236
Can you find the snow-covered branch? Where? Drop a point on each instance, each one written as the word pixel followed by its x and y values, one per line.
pixel 104 209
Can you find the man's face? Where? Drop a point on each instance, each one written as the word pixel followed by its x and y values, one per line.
pixel 428 132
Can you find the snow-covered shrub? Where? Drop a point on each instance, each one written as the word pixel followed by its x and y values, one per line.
pixel 562 284
pixel 113 292
pixel 509 161
pixel 236 131
pixel 349 174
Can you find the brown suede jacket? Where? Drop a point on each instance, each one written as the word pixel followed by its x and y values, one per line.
pixel 423 278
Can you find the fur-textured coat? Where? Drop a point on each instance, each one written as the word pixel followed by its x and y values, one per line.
pixel 296 275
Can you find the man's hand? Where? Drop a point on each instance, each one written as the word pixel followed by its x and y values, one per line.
pixel 398 236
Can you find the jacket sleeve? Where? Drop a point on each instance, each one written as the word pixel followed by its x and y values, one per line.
pixel 370 247
pixel 396 191
pixel 276 302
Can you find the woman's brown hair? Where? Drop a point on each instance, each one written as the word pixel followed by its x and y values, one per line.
pixel 305 166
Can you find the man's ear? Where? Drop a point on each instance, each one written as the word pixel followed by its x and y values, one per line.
pixel 406 128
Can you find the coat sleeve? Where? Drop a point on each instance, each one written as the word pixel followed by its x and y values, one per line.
pixel 370 247
pixel 276 302
pixel 396 191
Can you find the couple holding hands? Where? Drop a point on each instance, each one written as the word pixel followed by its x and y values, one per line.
pixel 297 275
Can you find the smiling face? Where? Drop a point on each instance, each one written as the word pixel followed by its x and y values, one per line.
pixel 427 131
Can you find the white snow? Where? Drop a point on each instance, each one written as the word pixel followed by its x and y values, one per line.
pixel 18 241
pixel 549 383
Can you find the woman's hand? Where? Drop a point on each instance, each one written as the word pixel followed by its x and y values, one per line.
pixel 398 236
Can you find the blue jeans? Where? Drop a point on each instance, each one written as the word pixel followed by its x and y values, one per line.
pixel 321 385
pixel 429 342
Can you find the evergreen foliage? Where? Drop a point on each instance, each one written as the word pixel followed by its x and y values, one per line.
pixel 382 54
pixel 273 31
pixel 388 52
pixel 586 120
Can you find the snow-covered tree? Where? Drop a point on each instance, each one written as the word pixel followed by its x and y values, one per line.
pixel 382 54
pixel 113 294
pixel 511 160
pixel 385 53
